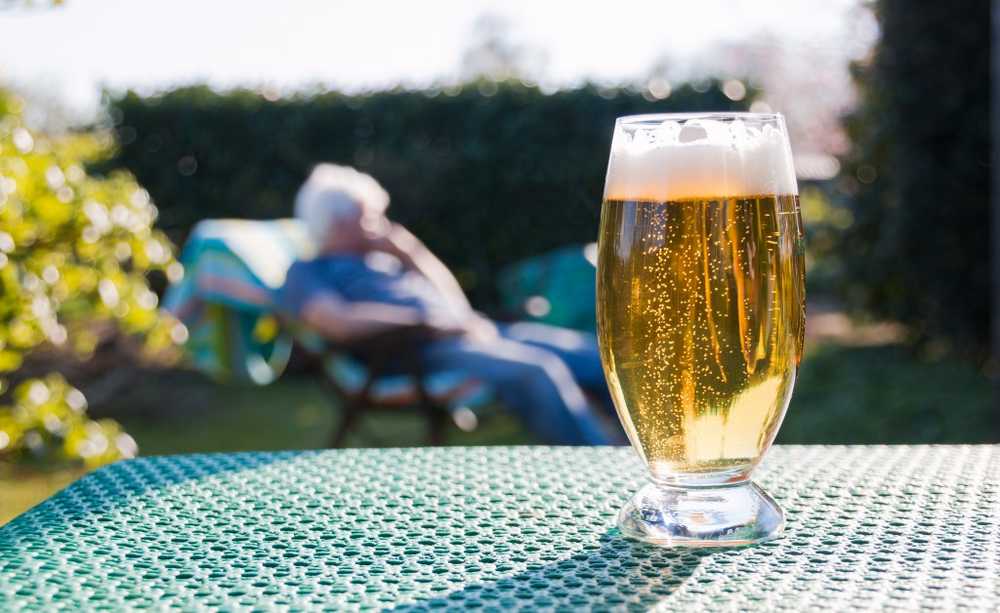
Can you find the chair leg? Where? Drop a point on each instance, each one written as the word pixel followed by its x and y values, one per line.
pixel 352 410
pixel 437 423
pixel 354 404
pixel 437 416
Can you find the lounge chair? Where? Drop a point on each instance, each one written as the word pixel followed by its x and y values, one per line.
pixel 226 300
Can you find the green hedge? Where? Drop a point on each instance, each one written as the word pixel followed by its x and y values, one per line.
pixel 919 173
pixel 486 175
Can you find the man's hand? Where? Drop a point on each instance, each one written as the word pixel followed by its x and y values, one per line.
pixel 475 327
pixel 441 326
pixel 394 240
pixel 481 329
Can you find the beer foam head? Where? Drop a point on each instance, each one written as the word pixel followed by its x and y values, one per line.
pixel 683 159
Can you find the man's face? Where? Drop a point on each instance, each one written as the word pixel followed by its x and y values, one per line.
pixel 357 231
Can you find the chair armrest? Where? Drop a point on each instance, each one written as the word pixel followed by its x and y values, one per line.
pixel 399 346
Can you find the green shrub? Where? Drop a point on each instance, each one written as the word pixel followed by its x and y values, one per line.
pixel 919 172
pixel 74 251
pixel 486 174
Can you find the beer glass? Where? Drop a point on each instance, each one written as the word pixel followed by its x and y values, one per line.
pixel 701 315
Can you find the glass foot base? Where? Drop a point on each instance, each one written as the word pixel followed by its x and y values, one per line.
pixel 727 516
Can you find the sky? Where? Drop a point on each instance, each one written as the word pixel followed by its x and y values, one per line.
pixel 68 53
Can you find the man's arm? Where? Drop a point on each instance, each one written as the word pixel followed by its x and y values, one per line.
pixel 345 322
pixel 415 255
pixel 307 298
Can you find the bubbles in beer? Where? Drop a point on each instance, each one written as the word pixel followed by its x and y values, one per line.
pixel 701 323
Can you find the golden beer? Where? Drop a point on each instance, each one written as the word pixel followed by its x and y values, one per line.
pixel 701 320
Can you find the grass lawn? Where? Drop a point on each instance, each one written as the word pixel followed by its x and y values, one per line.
pixel 845 394
pixel 21 490
pixel 882 394
pixel 294 413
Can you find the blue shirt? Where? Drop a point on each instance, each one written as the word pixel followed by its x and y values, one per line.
pixel 374 277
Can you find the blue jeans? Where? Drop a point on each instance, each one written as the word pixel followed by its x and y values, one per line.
pixel 539 372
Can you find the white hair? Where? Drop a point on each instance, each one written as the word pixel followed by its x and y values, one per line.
pixel 335 192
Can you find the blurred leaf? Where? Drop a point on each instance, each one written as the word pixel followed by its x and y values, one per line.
pixel 74 249
pixel 9 360
pixel 48 421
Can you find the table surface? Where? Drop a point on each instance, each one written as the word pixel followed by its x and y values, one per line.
pixel 501 528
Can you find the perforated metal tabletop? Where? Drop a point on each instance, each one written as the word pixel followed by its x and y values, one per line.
pixel 500 528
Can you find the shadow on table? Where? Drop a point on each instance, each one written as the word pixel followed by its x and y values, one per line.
pixel 615 573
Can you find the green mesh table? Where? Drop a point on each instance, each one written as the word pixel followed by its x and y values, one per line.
pixel 500 528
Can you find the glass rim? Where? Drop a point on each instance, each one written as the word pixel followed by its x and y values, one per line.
pixel 649 118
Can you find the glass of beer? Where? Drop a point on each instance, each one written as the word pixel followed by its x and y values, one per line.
pixel 701 315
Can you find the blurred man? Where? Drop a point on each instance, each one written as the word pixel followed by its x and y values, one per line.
pixel 372 275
